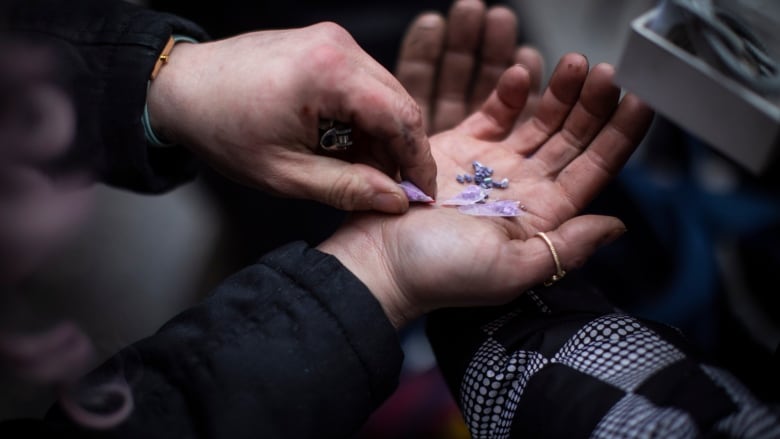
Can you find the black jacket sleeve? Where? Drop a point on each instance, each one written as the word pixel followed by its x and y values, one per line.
pixel 562 362
pixel 292 347
pixel 109 47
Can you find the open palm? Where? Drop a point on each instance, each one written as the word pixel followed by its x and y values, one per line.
pixel 577 140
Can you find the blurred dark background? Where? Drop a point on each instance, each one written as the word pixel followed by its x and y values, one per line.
pixel 702 242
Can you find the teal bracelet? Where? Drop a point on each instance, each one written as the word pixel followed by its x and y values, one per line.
pixel 151 137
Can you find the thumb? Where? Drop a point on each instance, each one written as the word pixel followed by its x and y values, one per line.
pixel 349 186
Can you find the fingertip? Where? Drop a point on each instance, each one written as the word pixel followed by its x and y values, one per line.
pixel 604 73
pixel 468 2
pixel 533 60
pixel 633 118
pixel 499 114
pixel 463 10
pixel 529 53
pixel 501 22
pixel 390 202
pixel 420 167
pixel 383 194
pixel 429 20
pixel 635 103
pixel 426 183
pixel 605 67
pixel 501 12
pixel 524 70
pixel 618 229
pixel 513 85
pixel 432 171
pixel 583 56
pixel 573 61
pixel 603 229
pixel 564 86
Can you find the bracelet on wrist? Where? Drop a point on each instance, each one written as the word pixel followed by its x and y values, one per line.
pixel 153 138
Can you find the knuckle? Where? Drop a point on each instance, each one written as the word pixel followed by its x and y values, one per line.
pixel 411 124
pixel 412 115
pixel 347 191
pixel 325 57
pixel 330 31
pixel 331 48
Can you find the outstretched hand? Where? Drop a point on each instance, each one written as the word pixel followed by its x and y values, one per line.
pixel 576 141
pixel 450 66
pixel 251 106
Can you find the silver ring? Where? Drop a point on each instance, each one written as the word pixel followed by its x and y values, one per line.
pixel 335 136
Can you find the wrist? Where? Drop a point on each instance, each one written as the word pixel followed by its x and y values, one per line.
pixel 365 261
pixel 159 111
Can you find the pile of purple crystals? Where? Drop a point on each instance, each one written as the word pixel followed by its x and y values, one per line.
pixel 473 199
pixel 483 177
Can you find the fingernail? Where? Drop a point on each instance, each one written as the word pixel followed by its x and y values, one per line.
pixel 388 202
pixel 615 234
pixel 430 21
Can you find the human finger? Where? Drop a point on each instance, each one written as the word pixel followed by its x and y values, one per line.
pixel 498 114
pixel 554 105
pixel 496 52
pixel 608 152
pixel 418 60
pixel 344 185
pixel 597 101
pixel 574 242
pixel 366 95
pixel 394 120
pixel 532 59
pixel 464 27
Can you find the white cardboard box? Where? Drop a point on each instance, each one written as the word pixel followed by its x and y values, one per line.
pixel 731 118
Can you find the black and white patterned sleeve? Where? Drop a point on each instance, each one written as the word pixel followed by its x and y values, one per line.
pixel 562 362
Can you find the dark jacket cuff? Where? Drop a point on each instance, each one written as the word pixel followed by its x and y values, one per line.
pixel 365 325
pixel 110 48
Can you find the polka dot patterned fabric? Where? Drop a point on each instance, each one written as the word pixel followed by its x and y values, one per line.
pixel 492 388
pixel 546 369
pixel 619 350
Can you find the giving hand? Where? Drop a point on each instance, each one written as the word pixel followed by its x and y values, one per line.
pixel 251 106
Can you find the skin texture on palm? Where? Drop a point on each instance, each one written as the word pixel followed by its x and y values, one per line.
pixel 576 141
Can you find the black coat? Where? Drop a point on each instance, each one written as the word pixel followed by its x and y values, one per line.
pixel 292 346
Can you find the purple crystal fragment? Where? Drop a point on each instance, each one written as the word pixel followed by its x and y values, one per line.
pixel 471 195
pixel 493 208
pixel 414 194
